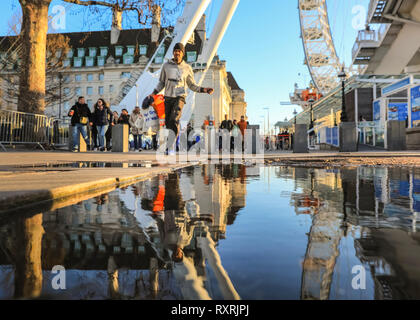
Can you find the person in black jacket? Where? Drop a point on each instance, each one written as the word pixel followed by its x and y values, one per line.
pixel 108 134
pixel 124 117
pixel 80 117
pixel 102 118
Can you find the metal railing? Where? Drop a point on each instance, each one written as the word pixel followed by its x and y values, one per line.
pixel 28 128
pixel 369 39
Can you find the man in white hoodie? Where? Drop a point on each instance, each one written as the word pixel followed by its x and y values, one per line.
pixel 176 77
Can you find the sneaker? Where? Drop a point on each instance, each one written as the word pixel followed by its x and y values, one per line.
pixel 102 149
pixel 140 150
pixel 171 153
pixel 75 150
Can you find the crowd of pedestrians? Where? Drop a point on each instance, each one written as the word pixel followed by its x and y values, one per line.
pixel 95 126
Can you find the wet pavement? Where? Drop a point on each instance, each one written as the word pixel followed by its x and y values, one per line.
pixel 225 232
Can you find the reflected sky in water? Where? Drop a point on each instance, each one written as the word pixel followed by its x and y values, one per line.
pixel 225 232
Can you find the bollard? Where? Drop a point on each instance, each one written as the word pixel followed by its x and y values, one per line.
pixel 212 141
pixel 256 148
pixel 300 139
pixel 395 133
pixel 120 138
pixel 348 137
pixel 82 143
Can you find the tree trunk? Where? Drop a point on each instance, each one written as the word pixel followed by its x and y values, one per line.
pixel 28 265
pixel 34 43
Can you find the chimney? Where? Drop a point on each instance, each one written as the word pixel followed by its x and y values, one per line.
pixel 156 10
pixel 116 24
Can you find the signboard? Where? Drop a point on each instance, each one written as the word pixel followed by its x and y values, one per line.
pixel 415 106
pixel 396 86
pixel 376 110
pixel 397 111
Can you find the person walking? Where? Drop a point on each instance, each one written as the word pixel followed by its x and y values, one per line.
pixel 225 125
pixel 235 133
pixel 80 117
pixel 176 77
pixel 124 117
pixel 108 134
pixel 102 119
pixel 242 126
pixel 136 123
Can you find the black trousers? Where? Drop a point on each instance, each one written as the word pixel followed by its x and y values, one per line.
pixel 173 112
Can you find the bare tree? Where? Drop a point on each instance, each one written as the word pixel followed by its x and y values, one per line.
pixel 34 40
pixel 10 64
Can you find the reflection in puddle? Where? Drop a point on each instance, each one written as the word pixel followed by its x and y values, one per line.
pixel 86 164
pixel 225 232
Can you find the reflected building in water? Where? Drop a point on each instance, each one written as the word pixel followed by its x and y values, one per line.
pixel 383 204
pixel 112 247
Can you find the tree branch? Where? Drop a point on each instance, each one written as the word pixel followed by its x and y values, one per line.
pixel 91 3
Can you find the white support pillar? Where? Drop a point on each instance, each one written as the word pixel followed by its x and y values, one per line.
pixel 223 20
pixel 186 24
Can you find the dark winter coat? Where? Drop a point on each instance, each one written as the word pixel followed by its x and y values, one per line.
pixel 124 119
pixel 80 110
pixel 102 117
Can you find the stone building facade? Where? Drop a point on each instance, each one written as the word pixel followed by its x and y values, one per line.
pixel 95 68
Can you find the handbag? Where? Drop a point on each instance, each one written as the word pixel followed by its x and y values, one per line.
pixel 83 120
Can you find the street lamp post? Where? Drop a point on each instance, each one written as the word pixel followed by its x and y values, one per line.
pixel 342 75
pixel 264 123
pixel 347 130
pixel 294 115
pixel 311 123
pixel 60 78
pixel 268 119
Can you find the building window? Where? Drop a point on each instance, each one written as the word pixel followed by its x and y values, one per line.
pixel 111 88
pixel 92 52
pixel 128 59
pixel 159 59
pixel 81 52
pixel 66 106
pixel 90 61
pixel 104 51
pixel 78 91
pixel 130 50
pixel 89 103
pixel 78 62
pixel 118 51
pixel 125 75
pixel 78 77
pixel 70 53
pixel 143 49
pixel 66 79
pixel 66 91
pixel 191 56
pixel 89 91
pixel 101 77
pixel 161 50
pixel 66 63
pixel 90 77
pixel 101 90
pixel 58 53
pixel 101 61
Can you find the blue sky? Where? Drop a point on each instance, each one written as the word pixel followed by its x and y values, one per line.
pixel 262 46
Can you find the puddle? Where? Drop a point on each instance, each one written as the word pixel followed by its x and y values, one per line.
pixel 83 164
pixel 280 233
